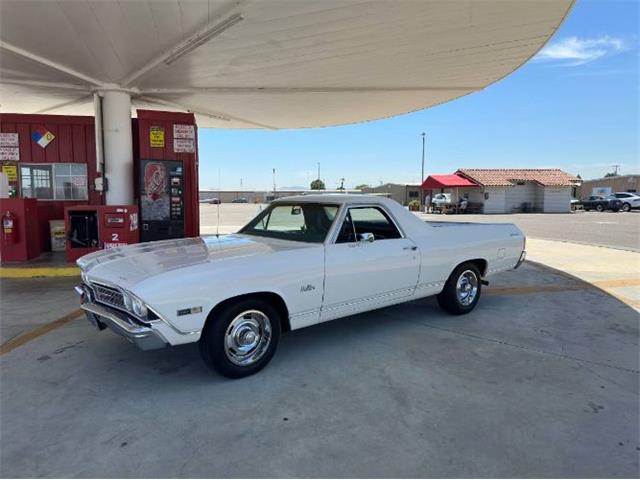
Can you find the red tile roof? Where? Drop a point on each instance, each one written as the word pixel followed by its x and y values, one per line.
pixel 509 176
pixel 446 181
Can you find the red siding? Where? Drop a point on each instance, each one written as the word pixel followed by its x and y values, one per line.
pixel 74 142
pixel 152 118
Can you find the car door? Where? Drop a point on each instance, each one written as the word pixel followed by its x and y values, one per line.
pixel 369 264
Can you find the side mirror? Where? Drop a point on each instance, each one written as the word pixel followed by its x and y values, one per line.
pixel 366 237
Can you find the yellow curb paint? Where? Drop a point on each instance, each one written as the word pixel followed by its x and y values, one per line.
pixel 38 332
pixel 34 272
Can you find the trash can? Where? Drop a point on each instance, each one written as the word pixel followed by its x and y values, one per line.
pixel 56 228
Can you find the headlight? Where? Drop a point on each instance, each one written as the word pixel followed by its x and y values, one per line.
pixel 139 307
pixel 128 302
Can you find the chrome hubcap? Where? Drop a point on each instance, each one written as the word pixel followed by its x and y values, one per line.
pixel 467 287
pixel 247 338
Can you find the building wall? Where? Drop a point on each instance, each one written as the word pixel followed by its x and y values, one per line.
pixel 496 203
pixel 74 142
pixel 622 183
pixel 401 193
pixel 557 199
pixel 516 195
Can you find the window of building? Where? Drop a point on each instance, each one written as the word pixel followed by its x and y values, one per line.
pixel 413 194
pixel 56 181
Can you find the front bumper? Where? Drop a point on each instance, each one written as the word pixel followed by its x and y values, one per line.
pixel 101 317
pixel 521 260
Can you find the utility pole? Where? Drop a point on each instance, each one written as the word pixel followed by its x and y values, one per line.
pixel 615 167
pixel 422 175
pixel 274 183
pixel 341 184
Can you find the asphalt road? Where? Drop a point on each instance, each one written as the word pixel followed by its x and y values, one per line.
pixel 609 229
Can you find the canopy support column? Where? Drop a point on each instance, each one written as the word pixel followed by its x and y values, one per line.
pixel 118 147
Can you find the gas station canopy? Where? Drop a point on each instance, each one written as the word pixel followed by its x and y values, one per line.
pixel 264 63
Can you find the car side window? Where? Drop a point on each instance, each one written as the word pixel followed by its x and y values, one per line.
pixel 367 220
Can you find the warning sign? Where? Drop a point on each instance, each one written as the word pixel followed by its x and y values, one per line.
pixel 9 140
pixel 183 145
pixel 184 131
pixel 156 137
pixel 10 153
pixel 11 171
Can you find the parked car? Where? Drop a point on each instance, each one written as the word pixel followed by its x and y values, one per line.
pixel 600 203
pixel 240 200
pixel 441 199
pixel 299 262
pixel 629 200
pixel 213 201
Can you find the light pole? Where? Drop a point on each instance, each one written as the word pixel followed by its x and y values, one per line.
pixel 274 183
pixel 422 174
pixel 318 170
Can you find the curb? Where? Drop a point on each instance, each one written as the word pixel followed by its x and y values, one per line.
pixel 36 272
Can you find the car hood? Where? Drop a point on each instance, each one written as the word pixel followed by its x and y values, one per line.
pixel 129 265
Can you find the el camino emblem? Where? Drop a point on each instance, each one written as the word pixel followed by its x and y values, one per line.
pixel 307 288
pixel 189 311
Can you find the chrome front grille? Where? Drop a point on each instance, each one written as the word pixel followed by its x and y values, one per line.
pixel 107 295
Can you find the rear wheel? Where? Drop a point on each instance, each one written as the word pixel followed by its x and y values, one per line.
pixel 241 338
pixel 626 207
pixel 599 208
pixel 462 290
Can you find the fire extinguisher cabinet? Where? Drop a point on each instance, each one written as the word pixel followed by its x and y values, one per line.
pixel 20 235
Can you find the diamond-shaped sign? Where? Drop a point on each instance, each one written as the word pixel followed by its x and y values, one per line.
pixel 42 136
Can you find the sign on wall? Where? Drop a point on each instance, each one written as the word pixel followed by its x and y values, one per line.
pixel 9 150
pixel 42 136
pixel 11 171
pixel 156 137
pixel 184 138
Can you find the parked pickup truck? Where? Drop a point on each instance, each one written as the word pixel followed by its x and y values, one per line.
pixel 301 261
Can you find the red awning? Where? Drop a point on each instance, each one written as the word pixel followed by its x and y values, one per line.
pixel 446 181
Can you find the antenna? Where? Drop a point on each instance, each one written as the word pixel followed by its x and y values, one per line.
pixel 218 207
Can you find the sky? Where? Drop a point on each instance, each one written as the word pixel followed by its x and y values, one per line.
pixel 574 106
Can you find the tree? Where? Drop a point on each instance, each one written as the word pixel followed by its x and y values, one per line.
pixel 362 186
pixel 578 177
pixel 317 185
pixel 611 174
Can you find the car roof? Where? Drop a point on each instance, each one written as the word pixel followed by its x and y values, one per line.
pixel 334 198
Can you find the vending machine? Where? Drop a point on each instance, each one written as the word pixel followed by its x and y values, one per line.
pixel 161 199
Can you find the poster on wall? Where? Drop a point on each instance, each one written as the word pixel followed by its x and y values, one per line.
pixel 9 140
pixel 156 137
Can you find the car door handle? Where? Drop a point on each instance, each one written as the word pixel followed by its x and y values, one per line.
pixel 410 247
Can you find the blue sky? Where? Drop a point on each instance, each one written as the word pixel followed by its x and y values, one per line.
pixel 575 106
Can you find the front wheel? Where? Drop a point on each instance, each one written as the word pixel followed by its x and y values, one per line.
pixel 599 208
pixel 462 290
pixel 626 207
pixel 241 338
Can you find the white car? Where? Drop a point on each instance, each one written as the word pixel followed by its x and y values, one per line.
pixel 629 200
pixel 301 261
pixel 441 199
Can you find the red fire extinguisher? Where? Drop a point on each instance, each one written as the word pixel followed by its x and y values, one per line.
pixel 9 228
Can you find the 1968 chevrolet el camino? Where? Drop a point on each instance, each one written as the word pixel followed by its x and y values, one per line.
pixel 301 261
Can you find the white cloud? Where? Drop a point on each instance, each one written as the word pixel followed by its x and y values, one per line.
pixel 572 51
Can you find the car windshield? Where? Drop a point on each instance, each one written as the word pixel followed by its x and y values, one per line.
pixel 300 222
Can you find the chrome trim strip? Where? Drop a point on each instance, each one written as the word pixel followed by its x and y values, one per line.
pixel 361 300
